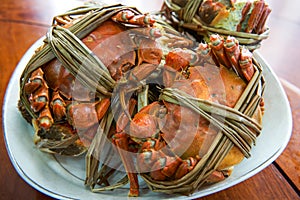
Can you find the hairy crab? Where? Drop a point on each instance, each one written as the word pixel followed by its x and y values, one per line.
pixel 140 89
pixel 243 16
pixel 159 129
pixel 67 110
pixel 247 16
pixel 243 19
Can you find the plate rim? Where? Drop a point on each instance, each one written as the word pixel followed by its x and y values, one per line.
pixel 24 59
pixel 22 63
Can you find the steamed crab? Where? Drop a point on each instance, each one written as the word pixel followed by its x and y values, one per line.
pixel 218 72
pixel 65 112
pixel 68 112
pixel 247 16
pixel 244 16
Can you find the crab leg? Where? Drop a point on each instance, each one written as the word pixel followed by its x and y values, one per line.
pixel 39 99
pixel 35 81
pixel 217 46
pixel 121 140
pixel 185 167
pixel 129 17
pixel 142 71
pixel 244 14
pixel 123 119
pixel 58 106
pixel 255 15
pixel 233 52
pixel 174 41
pixel 166 167
pixel 142 20
pixel 149 32
pixel 37 89
pixel 38 92
pixel 160 165
pixel 63 20
pixel 260 26
pixel 215 176
pixel 123 16
pixel 206 55
pixel 45 119
pixel 152 159
pixel 246 64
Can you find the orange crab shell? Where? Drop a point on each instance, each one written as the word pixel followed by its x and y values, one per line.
pixel 213 83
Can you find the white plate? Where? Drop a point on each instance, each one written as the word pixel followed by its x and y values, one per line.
pixel 62 178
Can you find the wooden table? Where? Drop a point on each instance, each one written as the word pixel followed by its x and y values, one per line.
pixel 23 22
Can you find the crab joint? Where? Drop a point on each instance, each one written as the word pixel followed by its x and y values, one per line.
pixel 45 119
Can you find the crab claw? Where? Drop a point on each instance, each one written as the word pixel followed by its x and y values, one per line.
pixel 149 51
pixel 85 115
pixel 179 59
pixel 146 159
pixel 143 125
pixel 142 71
pixel 125 116
pixel 102 107
pixel 37 91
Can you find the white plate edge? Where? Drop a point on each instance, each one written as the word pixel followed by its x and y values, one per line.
pixel 35 185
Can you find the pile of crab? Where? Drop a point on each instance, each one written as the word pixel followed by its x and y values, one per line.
pixel 134 94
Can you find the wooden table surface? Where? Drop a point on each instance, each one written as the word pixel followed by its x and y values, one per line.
pixel 23 22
